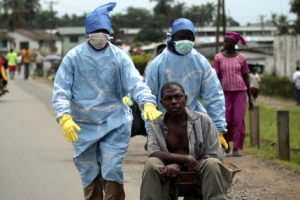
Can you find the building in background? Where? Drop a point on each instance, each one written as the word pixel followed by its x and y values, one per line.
pixel 71 37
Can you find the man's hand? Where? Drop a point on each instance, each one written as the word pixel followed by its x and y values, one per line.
pixel 69 127
pixel 191 162
pixel 170 171
pixel 151 112
pixel 223 141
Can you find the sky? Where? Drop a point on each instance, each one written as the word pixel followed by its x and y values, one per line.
pixel 242 11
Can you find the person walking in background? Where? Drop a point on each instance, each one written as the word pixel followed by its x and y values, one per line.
pixel 296 78
pixel 39 60
pixel 26 60
pixel 119 44
pixel 19 63
pixel 87 98
pixel 232 69
pixel 159 49
pixel 181 63
pixel 254 83
pixel 12 63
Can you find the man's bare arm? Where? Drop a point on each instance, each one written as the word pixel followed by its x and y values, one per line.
pixel 183 159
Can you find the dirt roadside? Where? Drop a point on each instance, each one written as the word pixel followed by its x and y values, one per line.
pixel 259 179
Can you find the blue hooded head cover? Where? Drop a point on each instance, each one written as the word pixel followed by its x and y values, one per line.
pixel 183 24
pixel 99 19
pixel 169 41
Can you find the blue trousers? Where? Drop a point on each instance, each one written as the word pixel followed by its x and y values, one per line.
pixel 26 70
pixel 298 96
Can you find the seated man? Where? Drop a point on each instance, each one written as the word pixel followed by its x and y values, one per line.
pixel 183 139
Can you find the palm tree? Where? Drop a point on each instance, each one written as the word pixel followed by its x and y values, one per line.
pixel 197 15
pixel 281 22
pixel 32 7
pixel 210 12
pixel 163 11
pixel 295 8
pixel 14 13
pixel 178 10
pixel 18 12
pixel 163 7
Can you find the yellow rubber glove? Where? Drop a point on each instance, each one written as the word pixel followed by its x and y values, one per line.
pixel 151 112
pixel 69 127
pixel 223 141
pixel 126 100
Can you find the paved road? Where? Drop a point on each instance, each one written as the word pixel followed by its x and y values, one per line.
pixel 36 161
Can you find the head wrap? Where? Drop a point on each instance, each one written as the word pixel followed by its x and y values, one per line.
pixel 235 37
pixel 183 24
pixel 99 19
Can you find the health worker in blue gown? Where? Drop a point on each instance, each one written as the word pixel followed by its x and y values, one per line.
pixel 87 98
pixel 181 63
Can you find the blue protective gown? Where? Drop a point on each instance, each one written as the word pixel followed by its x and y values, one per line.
pixel 198 79
pixel 89 86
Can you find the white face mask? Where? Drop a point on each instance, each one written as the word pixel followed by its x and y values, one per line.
pixel 98 40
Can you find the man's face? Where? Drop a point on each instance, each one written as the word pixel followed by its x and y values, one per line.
pixel 183 35
pixel 173 100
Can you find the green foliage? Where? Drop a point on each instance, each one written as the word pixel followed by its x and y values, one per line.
pixel 28 14
pixel 277 86
pixel 18 13
pixel 140 61
pixel 295 8
pixel 151 32
pixel 268 133
pixel 136 44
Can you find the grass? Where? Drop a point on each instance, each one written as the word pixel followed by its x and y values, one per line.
pixel 268 134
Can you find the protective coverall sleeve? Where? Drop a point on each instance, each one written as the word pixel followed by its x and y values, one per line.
pixel 151 79
pixel 213 96
pixel 132 83
pixel 62 91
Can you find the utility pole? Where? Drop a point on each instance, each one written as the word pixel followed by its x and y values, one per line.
pixel 51 22
pixel 224 17
pixel 218 27
pixel 221 8
pixel 262 23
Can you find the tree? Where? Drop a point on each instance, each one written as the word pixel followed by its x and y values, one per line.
pixel 133 18
pixel 32 7
pixel 178 10
pixel 196 14
pixel 232 22
pixel 281 22
pixel 41 21
pixel 18 12
pixel 14 13
pixel 151 32
pixel 202 15
pixel 210 13
pixel 295 8
pixel 163 11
